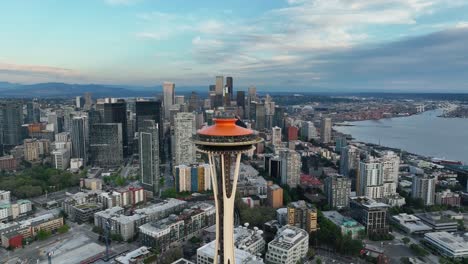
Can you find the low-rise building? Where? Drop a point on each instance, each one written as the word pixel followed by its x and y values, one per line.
pixel 133 257
pixel 80 207
pixel 11 211
pixel 250 240
pixel 290 246
pixel 447 198
pixel 127 226
pixel 448 245
pixel 182 261
pixel 8 163
pixel 439 221
pixel 347 225
pixel 11 232
pixel 206 255
pixel 410 224
pixel 160 234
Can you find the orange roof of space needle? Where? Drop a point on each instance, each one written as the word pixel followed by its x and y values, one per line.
pixel 225 127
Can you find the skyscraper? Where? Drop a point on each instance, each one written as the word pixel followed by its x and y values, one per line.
pixel 193 102
pixel 230 88
pixel 149 110
pixel 168 100
pixel 88 101
pixel 424 188
pixel 33 114
pixel 79 137
pixel 308 130
pixel 219 85
pixel 184 149
pixel 240 99
pixel 11 119
pixel 326 130
pixel 260 117
pixel 224 144
pixel 106 148
pixel 149 156
pixel 116 112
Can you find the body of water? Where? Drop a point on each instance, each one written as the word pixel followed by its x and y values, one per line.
pixel 424 134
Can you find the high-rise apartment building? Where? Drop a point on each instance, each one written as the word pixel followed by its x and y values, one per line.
pixel 184 149
pixel 370 181
pixel 308 130
pixel 424 188
pixel 302 215
pixel 371 214
pixel 193 178
pixel 349 160
pixel 106 148
pixel 149 156
pixel 390 167
pixel 326 130
pixel 337 190
pixel 291 167
pixel 79 138
pixel 168 97
pixel 274 196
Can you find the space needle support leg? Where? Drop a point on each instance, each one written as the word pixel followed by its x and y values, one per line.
pixel 214 183
pixel 228 220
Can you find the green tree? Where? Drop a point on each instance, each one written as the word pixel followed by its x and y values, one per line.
pixel 405 240
pixel 63 229
pixel 418 250
pixel 43 235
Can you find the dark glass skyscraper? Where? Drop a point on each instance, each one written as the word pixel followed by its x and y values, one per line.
pixel 149 156
pixel 79 138
pixel 230 87
pixel 149 110
pixel 116 112
pixel 11 119
pixel 106 148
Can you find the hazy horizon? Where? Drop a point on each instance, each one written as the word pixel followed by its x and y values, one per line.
pixel 309 45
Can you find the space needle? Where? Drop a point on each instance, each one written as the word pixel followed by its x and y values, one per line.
pixel 224 142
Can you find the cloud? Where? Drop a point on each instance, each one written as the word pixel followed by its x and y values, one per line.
pixel 121 2
pixel 35 73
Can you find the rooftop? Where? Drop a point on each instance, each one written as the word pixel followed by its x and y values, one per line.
pixel 411 222
pixel 340 220
pixel 369 203
pixel 242 257
pixel 288 236
pixel 129 257
pixel 451 242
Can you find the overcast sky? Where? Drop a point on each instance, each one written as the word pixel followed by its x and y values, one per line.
pixel 323 45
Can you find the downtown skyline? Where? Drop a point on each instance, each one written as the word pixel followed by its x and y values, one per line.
pixel 395 45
